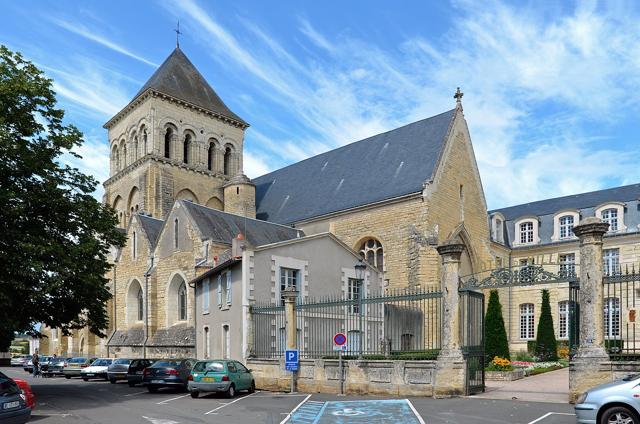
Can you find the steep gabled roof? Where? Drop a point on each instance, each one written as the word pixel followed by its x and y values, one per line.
pixel 222 227
pixel 178 78
pixel 151 227
pixel 385 166
pixel 574 201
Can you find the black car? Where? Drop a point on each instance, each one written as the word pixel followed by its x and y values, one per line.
pixel 13 403
pixel 168 373
pixel 136 369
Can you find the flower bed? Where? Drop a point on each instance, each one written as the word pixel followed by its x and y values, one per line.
pixel 533 368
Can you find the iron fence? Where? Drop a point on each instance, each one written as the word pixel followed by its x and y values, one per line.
pixel 396 324
pixel 527 273
pixel 621 301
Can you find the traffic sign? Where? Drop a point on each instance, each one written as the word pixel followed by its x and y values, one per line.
pixel 342 348
pixel 339 339
pixel 291 359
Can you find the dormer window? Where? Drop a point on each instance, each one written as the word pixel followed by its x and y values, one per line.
pixel 526 232
pixel 566 226
pixel 610 216
pixel 613 214
pixel 497 225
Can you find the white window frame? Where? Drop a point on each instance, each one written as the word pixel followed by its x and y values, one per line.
pixel 567 263
pixel 497 226
pixel 611 261
pixel 563 319
pixel 527 321
pixel 229 294
pixel 611 312
pixel 206 294
pixel 285 276
pixel 602 213
pixel 354 288
pixel 534 239
pixel 566 226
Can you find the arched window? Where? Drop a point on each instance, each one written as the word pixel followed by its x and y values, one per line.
pixel 610 216
pixel 371 250
pixel 182 302
pixel 210 156
pixel 527 331
pixel 135 148
pixel 167 143
pixel 185 148
pixel 144 142
pixel 123 162
pixel 526 232
pixel 134 244
pixel 140 305
pixel 566 226
pixel 227 161
pixel 175 233
pixel 115 157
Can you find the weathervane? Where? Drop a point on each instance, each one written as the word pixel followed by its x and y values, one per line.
pixel 458 97
pixel 177 30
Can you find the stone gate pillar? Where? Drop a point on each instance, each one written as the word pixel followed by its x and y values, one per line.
pixel 450 369
pixel 586 368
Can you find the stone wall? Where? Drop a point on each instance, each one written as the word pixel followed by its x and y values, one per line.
pixel 397 378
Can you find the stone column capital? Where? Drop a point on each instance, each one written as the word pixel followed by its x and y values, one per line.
pixel 290 294
pixel 451 250
pixel 591 226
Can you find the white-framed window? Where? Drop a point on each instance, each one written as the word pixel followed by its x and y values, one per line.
pixel 526 232
pixel 206 288
pixel 610 216
pixel 219 290
pixel 527 330
pixel 354 294
pixel 224 289
pixel 134 245
pixel 228 294
pixel 611 261
pixel 355 340
pixel 567 264
pixel 563 319
pixel 611 317
pixel 566 226
pixel 499 230
pixel 288 278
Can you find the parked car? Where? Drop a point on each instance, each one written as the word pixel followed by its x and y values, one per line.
pixel 56 367
pixel 610 403
pixel 168 373
pixel 75 366
pixel 136 370
pixel 118 370
pixel 13 403
pixel 44 362
pixel 222 376
pixel 20 361
pixel 97 369
pixel 27 392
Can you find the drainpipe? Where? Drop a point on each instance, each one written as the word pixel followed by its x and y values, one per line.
pixel 147 274
pixel 115 305
pixel 194 287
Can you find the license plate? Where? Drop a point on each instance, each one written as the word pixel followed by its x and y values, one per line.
pixel 157 381
pixel 209 379
pixel 138 372
pixel 10 405
pixel 90 375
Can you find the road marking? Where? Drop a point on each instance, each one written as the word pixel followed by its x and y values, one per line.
pixel 548 414
pixel 213 411
pixel 159 420
pixel 169 400
pixel 295 409
pixel 414 411
pixel 134 394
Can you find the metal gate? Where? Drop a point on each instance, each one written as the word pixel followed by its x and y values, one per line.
pixel 472 337
pixel 574 317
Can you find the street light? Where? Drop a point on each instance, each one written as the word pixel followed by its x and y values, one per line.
pixel 360 268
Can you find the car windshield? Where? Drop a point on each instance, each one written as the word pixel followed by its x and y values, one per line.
pixel 101 362
pixel 161 363
pixel 122 362
pixel 78 360
pixel 209 366
pixel 7 386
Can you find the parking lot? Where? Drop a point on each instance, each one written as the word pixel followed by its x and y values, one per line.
pixel 74 401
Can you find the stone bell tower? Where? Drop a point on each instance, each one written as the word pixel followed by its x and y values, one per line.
pixel 175 140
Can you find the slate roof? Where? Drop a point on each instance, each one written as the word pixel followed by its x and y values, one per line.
pixel 152 227
pixel 387 165
pixel 177 77
pixel 574 201
pixel 223 227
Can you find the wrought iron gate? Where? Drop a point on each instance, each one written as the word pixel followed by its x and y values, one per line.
pixel 472 337
pixel 574 317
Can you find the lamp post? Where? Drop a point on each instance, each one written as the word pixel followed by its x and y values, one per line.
pixel 360 268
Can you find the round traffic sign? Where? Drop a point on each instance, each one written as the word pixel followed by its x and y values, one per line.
pixel 339 339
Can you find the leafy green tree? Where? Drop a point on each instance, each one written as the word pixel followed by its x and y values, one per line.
pixel 496 343
pixel 546 344
pixel 54 235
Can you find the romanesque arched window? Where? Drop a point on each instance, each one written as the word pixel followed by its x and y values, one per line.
pixel 211 156
pixel 167 143
pixel 144 141
pixel 140 305
pixel 371 250
pixel 185 148
pixel 115 158
pixel 135 148
pixel 227 160
pixel 182 302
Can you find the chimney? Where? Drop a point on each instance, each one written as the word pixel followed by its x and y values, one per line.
pixel 238 245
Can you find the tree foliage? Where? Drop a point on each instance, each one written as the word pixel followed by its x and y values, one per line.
pixel 54 235
pixel 546 344
pixel 496 343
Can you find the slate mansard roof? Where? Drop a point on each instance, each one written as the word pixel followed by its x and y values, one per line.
pixel 223 227
pixel 385 166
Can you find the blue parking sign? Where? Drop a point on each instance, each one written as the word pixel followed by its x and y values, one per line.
pixel 291 359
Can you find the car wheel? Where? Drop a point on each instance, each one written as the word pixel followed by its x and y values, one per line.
pixel 132 384
pixel 619 415
pixel 112 381
pixel 68 377
pixel 152 389
pixel 195 394
pixel 252 388
pixel 232 391
pixel 85 378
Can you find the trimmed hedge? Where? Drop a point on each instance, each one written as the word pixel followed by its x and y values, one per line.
pixel 496 343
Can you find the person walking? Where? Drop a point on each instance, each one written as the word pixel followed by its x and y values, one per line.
pixel 36 364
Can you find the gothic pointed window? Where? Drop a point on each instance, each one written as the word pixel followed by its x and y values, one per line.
pixel 167 143
pixel 371 250
pixel 227 161
pixel 185 148
pixel 182 302
pixel 140 305
pixel 176 234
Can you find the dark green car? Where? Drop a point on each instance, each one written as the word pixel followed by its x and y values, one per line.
pixel 221 376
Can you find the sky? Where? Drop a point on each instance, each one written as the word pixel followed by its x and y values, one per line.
pixel 549 87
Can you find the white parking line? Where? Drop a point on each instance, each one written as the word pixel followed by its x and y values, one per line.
pixel 415 412
pixel 137 393
pixel 548 414
pixel 213 411
pixel 169 400
pixel 294 410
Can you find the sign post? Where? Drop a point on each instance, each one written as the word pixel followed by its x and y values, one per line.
pixel 340 344
pixel 291 364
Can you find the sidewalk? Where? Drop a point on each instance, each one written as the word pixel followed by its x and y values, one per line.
pixel 548 387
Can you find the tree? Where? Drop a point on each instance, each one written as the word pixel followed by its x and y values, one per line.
pixel 546 345
pixel 496 343
pixel 54 235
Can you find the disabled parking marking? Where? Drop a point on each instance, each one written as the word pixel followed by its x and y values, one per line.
pixel 399 411
pixel 298 406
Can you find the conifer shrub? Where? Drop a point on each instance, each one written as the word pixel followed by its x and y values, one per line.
pixel 546 344
pixel 496 343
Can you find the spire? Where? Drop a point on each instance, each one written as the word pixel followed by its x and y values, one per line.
pixel 458 97
pixel 177 30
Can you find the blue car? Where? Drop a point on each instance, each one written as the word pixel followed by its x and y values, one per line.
pixel 611 403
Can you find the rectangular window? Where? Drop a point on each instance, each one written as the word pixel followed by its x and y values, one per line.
pixel 611 317
pixel 355 340
pixel 566 226
pixel 134 245
pixel 219 290
pixel 499 230
pixel 288 278
pixel 527 331
pixel 228 288
pixel 563 320
pixel 206 286
pixel 568 265
pixel 354 294
pixel 611 261
pixel 610 216
pixel 526 232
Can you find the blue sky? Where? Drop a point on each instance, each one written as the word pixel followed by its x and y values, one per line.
pixel 550 87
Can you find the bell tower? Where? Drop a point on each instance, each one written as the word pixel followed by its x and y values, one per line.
pixel 175 140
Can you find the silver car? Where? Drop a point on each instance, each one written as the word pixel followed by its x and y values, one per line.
pixel 611 403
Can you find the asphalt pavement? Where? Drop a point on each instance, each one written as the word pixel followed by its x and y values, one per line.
pixel 61 401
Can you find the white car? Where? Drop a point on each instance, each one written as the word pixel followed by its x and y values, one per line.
pixel 97 369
